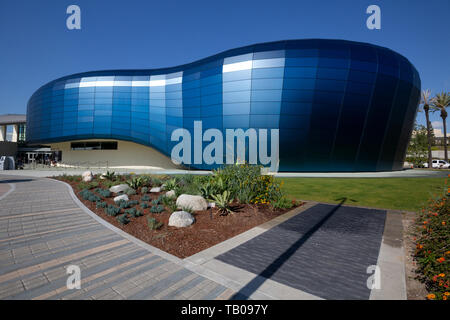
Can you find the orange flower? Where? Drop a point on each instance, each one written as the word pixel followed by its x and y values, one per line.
pixel 448 252
pixel 446 293
pixel 441 259
pixel 431 296
pixel 444 297
pixel 443 223
pixel 441 275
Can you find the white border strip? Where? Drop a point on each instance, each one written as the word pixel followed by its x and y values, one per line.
pixel 12 188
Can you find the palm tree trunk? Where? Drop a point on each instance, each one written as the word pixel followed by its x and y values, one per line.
pixel 445 138
pixel 428 136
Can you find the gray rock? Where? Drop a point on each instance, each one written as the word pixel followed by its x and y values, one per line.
pixel 181 219
pixel 211 204
pixel 87 176
pixel 155 189
pixel 119 188
pixel 170 194
pixel 121 197
pixel 196 203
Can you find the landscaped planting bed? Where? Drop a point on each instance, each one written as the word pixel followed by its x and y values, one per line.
pixel 242 197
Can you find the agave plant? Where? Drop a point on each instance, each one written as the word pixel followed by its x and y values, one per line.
pixel 171 184
pixel 426 100
pixel 440 103
pixel 109 175
pixel 136 182
pixel 223 202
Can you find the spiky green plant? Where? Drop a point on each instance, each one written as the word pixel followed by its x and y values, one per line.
pixel 110 175
pixel 123 219
pixel 223 202
pixel 153 224
pixel 157 209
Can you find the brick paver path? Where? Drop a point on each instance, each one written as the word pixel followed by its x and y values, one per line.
pixel 42 231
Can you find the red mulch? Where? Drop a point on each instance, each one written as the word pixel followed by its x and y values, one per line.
pixel 209 227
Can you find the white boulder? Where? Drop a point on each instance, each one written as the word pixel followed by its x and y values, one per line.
pixel 181 219
pixel 155 189
pixel 196 203
pixel 170 194
pixel 87 176
pixel 121 197
pixel 119 188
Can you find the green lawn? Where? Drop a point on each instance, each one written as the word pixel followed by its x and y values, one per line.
pixel 391 193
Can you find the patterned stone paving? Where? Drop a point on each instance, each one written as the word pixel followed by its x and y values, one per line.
pixel 43 230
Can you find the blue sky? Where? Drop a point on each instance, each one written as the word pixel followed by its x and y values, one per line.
pixel 37 47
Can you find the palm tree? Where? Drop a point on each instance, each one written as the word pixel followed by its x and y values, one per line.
pixel 440 103
pixel 426 101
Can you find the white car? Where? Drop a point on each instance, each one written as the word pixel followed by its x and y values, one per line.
pixel 439 164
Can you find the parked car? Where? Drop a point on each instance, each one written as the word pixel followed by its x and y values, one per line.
pixel 438 164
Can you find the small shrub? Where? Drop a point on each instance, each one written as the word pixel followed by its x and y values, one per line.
pixel 223 202
pixel 153 224
pixel 137 182
pixel 85 194
pixel 92 185
pixel 132 203
pixel 110 175
pixel 83 185
pixel 122 204
pixel 144 205
pixel 111 210
pixel 171 184
pixel 169 202
pixel 104 193
pixel 100 204
pixel 145 198
pixel 157 209
pixel 158 200
pixel 133 212
pixel 123 219
pixel 127 204
pixel 157 182
pixel 107 184
pixel 88 195
pixel 144 190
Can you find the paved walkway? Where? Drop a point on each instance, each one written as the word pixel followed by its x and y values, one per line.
pixel 44 228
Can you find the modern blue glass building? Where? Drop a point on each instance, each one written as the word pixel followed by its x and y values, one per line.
pixel 339 105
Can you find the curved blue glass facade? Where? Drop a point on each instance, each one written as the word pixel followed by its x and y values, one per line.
pixel 339 105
